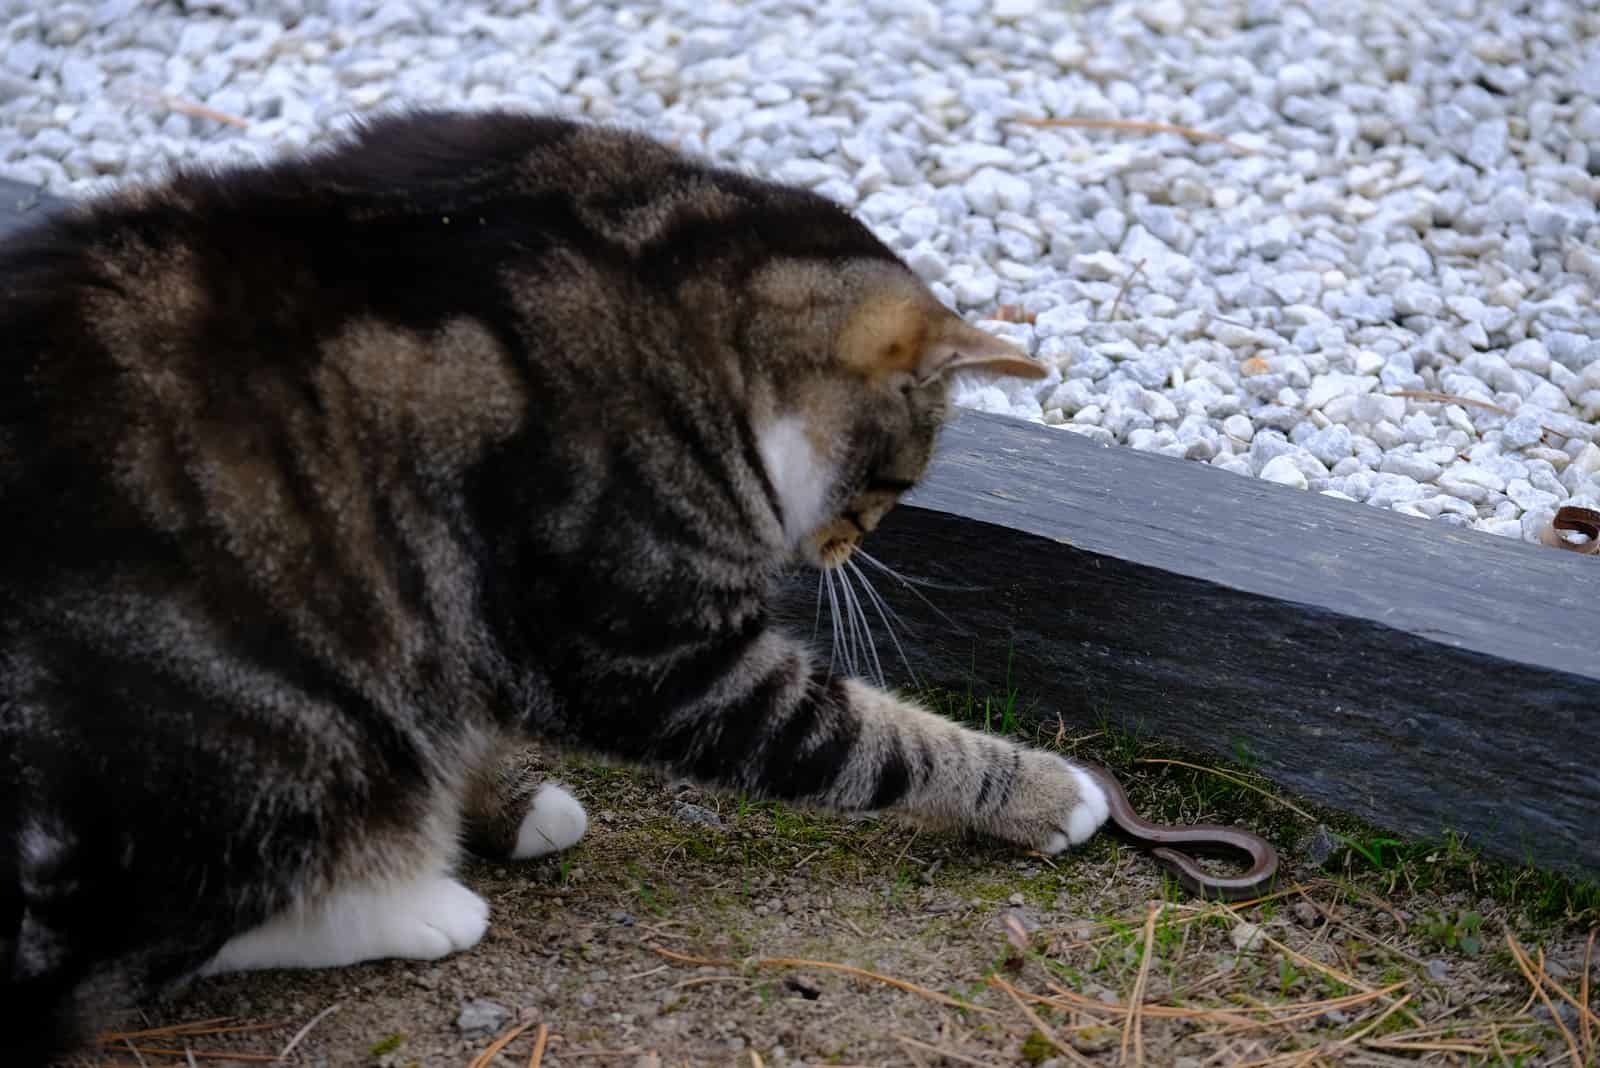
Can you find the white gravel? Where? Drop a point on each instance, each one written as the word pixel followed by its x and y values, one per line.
pixel 1416 210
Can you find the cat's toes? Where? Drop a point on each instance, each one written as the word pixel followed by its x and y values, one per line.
pixel 1084 817
pixel 440 918
pixel 429 918
pixel 555 821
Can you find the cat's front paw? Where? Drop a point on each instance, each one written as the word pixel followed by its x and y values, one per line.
pixel 424 919
pixel 555 821
pixel 1057 804
pixel 438 918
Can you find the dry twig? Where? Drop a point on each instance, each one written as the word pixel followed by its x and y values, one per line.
pixel 199 111
pixel 907 1040
pixel 482 1060
pixel 210 1054
pixel 1525 966
pixel 1449 398
pixel 1138 269
pixel 539 1042
pixel 1038 1023
pixel 1134 1024
pixel 1583 996
pixel 299 1035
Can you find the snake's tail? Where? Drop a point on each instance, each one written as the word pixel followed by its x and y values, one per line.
pixel 1195 879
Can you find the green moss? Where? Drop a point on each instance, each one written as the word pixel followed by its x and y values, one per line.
pixel 1036 1049
pixel 386 1045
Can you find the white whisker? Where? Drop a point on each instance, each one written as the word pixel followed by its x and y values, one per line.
pixel 925 583
pixel 866 626
pixel 854 645
pixel 885 612
pixel 908 584
pixel 816 623
pixel 833 617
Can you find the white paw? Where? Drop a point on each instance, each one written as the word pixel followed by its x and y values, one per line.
pixel 1085 817
pixel 555 821
pixel 438 917
pixel 425 919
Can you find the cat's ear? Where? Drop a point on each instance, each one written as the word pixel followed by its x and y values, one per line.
pixel 960 347
pixel 899 335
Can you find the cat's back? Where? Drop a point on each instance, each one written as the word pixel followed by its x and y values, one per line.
pixel 184 313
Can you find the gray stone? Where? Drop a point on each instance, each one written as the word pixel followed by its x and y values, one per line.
pixel 1488 145
pixel 1522 431
pixel 481 1017
pixel 1379 407
pixel 1411 466
pixel 1525 495
pixel 1337 384
pixel 688 812
pixel 1331 444
pixel 1284 471
pixel 1239 427
pixel 1529 354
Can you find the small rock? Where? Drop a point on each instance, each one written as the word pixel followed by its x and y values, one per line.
pixel 1284 471
pixel 1238 427
pixel 1521 431
pixel 1320 846
pixel 1529 355
pixel 1438 970
pixel 1014 10
pixel 1306 914
pixel 1374 408
pixel 1163 16
pixel 1245 936
pixel 481 1017
pixel 1488 145
pixel 1337 384
pixel 991 191
pixel 1411 466
pixel 1330 444
pixel 689 812
pixel 1568 1014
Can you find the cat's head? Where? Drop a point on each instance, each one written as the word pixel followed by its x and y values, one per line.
pixel 856 415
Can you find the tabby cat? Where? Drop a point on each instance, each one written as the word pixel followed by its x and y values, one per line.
pixel 328 484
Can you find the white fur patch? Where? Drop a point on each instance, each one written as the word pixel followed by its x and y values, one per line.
pixel 423 919
pixel 1085 817
pixel 1090 811
pixel 555 821
pixel 800 476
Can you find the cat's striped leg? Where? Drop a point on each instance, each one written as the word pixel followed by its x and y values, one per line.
pixel 780 725
pixel 958 777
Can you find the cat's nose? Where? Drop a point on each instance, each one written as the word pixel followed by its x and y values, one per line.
pixel 837 550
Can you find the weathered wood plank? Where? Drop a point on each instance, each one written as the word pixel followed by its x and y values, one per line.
pixel 1423 677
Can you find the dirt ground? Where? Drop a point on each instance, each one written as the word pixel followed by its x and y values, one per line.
pixel 692 929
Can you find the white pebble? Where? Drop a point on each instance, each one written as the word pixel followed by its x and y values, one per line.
pixel 1284 471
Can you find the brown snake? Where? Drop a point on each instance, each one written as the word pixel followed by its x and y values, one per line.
pixel 1158 838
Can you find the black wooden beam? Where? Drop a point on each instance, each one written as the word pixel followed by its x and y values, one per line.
pixel 1421 676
